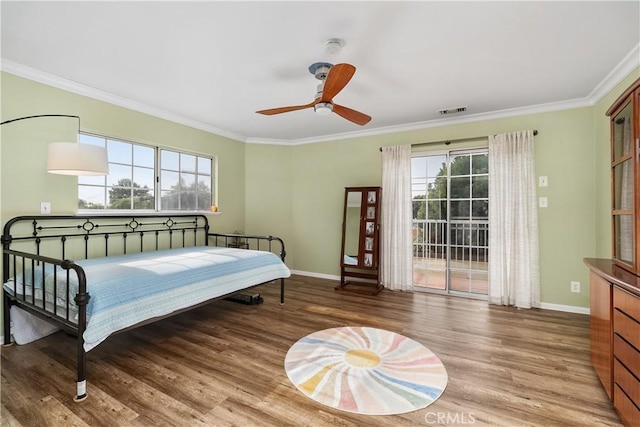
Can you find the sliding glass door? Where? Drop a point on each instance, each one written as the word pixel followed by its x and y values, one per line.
pixel 450 193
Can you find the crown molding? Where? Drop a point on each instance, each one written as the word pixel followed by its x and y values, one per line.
pixel 630 62
pixel 622 70
pixel 88 91
pixel 499 114
pixel 268 141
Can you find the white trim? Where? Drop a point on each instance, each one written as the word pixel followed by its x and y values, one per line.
pixel 544 305
pixel 520 111
pixel 268 141
pixel 622 70
pixel 318 275
pixel 80 89
pixel 566 308
pixel 626 66
pixel 126 212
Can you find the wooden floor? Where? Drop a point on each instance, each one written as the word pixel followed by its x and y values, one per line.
pixel 222 364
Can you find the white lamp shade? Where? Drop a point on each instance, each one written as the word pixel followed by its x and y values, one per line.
pixel 70 158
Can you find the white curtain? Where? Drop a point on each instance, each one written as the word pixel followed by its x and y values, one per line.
pixel 397 216
pixel 514 271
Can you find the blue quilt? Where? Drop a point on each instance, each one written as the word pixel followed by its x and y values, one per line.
pixel 128 289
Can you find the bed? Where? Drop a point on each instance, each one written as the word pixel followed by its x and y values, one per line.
pixel 94 276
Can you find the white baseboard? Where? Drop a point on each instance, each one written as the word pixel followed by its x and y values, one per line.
pixel 567 308
pixel 544 305
pixel 318 275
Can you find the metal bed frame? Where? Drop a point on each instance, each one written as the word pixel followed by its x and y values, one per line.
pixel 32 242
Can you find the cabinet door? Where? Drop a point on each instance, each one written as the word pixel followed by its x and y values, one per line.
pixel 625 181
pixel 601 330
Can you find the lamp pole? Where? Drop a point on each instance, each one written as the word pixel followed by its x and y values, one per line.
pixel 42 115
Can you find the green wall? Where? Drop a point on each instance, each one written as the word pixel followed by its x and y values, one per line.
pixel 571 150
pixel 296 192
pixel 268 193
pixel 25 182
pixel 563 147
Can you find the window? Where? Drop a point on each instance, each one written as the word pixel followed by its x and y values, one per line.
pixel 184 181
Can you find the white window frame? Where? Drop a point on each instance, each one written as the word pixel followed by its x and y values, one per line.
pixel 157 174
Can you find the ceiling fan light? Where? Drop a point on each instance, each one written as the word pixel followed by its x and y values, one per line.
pixel 323 108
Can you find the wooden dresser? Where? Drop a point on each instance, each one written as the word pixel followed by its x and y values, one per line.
pixel 615 335
pixel 615 282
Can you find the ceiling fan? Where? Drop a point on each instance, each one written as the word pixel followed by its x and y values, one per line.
pixel 333 79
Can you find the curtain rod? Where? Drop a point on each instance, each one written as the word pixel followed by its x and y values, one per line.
pixel 450 141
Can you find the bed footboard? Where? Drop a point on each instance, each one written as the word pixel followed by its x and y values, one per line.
pixel 251 241
pixel 26 289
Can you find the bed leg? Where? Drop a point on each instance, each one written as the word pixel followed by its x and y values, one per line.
pixel 6 318
pixel 281 291
pixel 81 299
pixel 81 384
pixel 81 393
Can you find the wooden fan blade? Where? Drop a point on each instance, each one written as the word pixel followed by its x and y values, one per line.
pixel 338 77
pixel 279 110
pixel 352 115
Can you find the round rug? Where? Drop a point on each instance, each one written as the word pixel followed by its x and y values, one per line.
pixel 365 370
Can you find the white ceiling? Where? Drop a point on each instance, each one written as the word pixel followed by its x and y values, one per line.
pixel 213 64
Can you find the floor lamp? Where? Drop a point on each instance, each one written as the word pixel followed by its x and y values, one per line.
pixel 72 158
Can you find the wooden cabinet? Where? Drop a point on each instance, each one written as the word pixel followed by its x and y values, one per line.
pixel 626 355
pixel 615 314
pixel 601 329
pixel 615 335
pixel 360 255
pixel 625 178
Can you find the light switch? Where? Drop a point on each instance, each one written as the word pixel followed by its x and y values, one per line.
pixel 543 202
pixel 543 181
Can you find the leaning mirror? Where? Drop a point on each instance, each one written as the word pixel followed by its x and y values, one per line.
pixel 353 201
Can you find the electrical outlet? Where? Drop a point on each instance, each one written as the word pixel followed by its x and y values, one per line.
pixel 543 202
pixel 45 208
pixel 575 287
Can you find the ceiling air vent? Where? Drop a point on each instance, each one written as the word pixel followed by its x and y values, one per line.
pixel 453 110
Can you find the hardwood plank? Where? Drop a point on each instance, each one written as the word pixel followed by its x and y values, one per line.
pixel 223 364
pixel 6 419
pixel 18 405
pixel 58 414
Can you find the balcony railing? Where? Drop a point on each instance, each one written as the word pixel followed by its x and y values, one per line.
pixel 465 240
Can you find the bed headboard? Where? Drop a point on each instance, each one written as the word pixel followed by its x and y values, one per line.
pixel 86 236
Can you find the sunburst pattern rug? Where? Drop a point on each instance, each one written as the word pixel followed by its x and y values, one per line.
pixel 366 371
